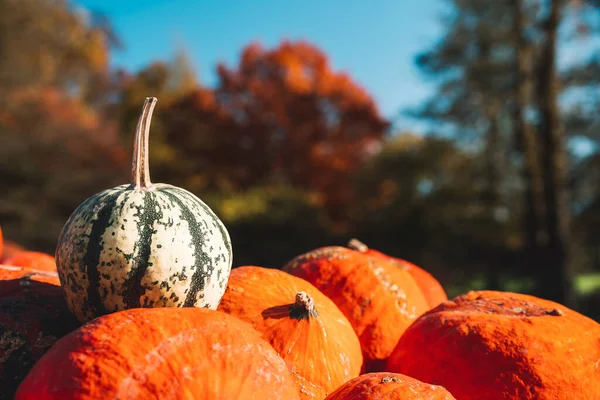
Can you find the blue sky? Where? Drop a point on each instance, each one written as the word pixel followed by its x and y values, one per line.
pixel 375 41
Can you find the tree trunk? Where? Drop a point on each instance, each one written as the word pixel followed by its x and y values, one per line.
pixel 493 197
pixel 557 282
pixel 533 198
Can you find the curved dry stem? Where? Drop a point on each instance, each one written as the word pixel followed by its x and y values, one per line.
pixel 140 170
pixel 357 245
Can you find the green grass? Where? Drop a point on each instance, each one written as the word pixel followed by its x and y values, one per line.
pixel 587 283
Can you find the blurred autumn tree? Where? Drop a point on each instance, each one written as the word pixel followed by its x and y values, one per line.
pixel 499 92
pixel 55 152
pixel 281 116
pixel 48 43
pixel 57 146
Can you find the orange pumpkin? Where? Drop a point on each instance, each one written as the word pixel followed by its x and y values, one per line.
pixel 379 299
pixel 160 353
pixel 431 288
pixel 498 345
pixel 12 272
pixel 33 316
pixel 32 259
pixel 304 326
pixel 388 386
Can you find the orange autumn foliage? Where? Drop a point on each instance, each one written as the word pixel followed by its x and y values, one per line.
pixel 74 128
pixel 379 299
pixel 500 345
pixel 282 114
pixel 160 353
pixel 431 288
pixel 32 259
pixel 303 325
pixel 385 385
pixel 33 316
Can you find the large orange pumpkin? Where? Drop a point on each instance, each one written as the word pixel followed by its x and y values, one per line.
pixel 32 259
pixel 497 345
pixel 304 326
pixel 431 288
pixel 33 316
pixel 379 299
pixel 388 386
pixel 160 353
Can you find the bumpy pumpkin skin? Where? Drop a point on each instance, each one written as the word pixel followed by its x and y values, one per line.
pixel 33 316
pixel 127 248
pixel 317 342
pixel 32 259
pixel 432 289
pixel 160 353
pixel 379 299
pixel 388 386
pixel 497 346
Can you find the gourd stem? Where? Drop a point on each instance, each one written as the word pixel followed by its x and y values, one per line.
pixel 357 245
pixel 140 171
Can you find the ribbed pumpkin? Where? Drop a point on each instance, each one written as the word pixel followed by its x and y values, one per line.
pixel 379 299
pixel 304 326
pixel 32 259
pixel 142 245
pixel 33 316
pixel 160 353
pixel 431 288
pixel 499 345
pixel 388 386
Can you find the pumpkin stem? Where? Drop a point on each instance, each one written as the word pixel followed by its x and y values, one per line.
pixel 140 171
pixel 304 307
pixel 357 245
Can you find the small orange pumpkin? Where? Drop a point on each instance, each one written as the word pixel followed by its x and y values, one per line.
pixel 32 259
pixel 499 345
pixel 33 316
pixel 432 289
pixel 304 326
pixel 388 386
pixel 160 353
pixel 379 299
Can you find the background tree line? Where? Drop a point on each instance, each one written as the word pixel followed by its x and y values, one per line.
pixel 503 191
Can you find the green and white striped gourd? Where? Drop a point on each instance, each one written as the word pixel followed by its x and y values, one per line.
pixel 142 245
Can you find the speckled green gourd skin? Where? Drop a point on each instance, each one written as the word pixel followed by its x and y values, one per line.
pixel 127 248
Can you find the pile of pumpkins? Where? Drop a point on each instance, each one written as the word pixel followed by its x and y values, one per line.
pixel 140 302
